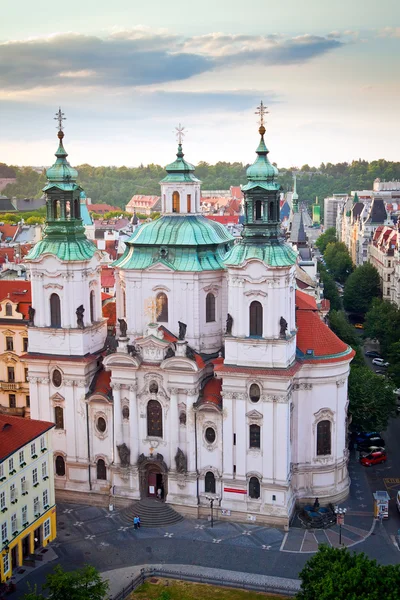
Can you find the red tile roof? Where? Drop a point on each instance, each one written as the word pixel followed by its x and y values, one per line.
pixel 305 301
pixel 16 432
pixel 100 209
pixel 212 392
pixel 8 231
pixel 107 277
pixel 139 202
pixel 102 383
pixel 170 337
pixel 236 192
pixel 224 219
pixel 18 292
pixel 110 312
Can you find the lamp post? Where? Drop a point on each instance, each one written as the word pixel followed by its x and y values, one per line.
pixel 340 513
pixel 211 500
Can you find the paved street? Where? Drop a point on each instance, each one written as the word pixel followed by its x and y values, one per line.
pixel 88 534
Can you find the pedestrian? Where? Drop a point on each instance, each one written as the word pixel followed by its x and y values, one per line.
pixel 159 492
pixel 316 504
pixel 135 522
pixel 138 521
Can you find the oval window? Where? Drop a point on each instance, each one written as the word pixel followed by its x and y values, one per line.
pixel 210 435
pixel 254 392
pixel 101 424
pixel 56 378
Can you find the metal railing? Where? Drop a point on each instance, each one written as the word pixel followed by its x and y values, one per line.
pixel 148 572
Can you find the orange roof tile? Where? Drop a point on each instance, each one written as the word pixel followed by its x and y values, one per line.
pixel 102 383
pixel 101 208
pixel 110 312
pixel 16 432
pixel 18 292
pixel 305 301
pixel 170 337
pixel 8 231
pixel 212 392
pixel 316 337
pixel 107 277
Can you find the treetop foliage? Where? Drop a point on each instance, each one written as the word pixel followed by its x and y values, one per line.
pixel 82 584
pixel 326 238
pixel 117 185
pixel 362 286
pixel 338 261
pixel 337 573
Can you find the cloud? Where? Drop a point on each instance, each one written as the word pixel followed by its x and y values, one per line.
pixel 393 32
pixel 140 57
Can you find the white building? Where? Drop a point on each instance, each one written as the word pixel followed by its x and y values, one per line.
pixel 225 380
pixel 331 206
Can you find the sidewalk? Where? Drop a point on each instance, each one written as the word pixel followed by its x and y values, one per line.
pixel 119 578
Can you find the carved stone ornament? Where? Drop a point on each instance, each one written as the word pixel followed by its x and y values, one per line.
pixel 340 382
pixel 302 386
pixel 254 415
pixel 124 455
pixel 180 461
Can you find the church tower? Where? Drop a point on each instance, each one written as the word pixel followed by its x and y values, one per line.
pixel 67 330
pixel 260 351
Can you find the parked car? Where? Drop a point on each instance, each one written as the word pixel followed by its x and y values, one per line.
pixel 366 445
pixel 372 449
pixel 373 354
pixel 380 372
pixel 375 458
pixel 359 326
pixel 380 362
pixel 363 436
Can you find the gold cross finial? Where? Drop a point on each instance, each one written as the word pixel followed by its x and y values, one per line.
pixel 180 133
pixel 261 112
pixel 60 118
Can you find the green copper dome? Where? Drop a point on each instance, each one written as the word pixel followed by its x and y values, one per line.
pixel 180 170
pixel 275 253
pixel 61 174
pixel 181 242
pixel 261 169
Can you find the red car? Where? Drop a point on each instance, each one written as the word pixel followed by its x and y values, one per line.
pixel 374 458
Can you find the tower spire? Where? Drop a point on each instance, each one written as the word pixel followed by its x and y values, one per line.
pixel 295 196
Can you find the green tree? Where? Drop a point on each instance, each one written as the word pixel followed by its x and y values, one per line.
pixel 34 220
pixel 326 238
pixel 338 574
pixel 394 360
pixel 330 290
pixel 340 325
pixel 82 584
pixel 382 322
pixel 338 261
pixel 362 286
pixel 371 399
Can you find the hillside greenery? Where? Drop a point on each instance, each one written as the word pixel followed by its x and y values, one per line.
pixel 116 185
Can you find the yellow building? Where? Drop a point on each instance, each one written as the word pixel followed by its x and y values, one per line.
pixel 27 500
pixel 15 300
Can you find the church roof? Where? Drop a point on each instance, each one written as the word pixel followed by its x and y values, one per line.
pixel 211 393
pixel 377 213
pixel 297 231
pixel 181 242
pixel 18 292
pixel 82 249
pixel 180 170
pixel 16 432
pixel 275 254
pixel 101 384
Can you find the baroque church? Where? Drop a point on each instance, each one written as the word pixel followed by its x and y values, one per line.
pixel 223 382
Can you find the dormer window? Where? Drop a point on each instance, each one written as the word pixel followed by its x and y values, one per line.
pixel 9 310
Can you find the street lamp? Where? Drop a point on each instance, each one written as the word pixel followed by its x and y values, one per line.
pixel 340 512
pixel 211 500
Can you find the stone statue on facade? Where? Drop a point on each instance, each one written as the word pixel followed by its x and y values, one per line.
pixel 229 324
pixel 182 330
pixel 283 326
pixel 124 455
pixel 79 316
pixel 169 353
pixel 31 315
pixel 180 461
pixel 123 327
pixel 190 353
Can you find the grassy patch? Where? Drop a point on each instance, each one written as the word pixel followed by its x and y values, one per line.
pixel 167 589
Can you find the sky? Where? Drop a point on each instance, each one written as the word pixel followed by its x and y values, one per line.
pixel 126 73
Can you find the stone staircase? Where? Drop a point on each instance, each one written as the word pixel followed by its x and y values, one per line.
pixel 152 513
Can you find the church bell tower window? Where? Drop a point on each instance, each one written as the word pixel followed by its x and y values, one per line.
pixel 55 311
pixel 92 313
pixel 176 202
pixel 210 308
pixel 256 319
pixel 162 307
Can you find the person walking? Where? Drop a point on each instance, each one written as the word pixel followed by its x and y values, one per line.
pixel 135 523
pixel 138 521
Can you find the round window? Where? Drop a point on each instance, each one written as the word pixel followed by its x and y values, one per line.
pixel 210 435
pixel 56 378
pixel 254 392
pixel 101 424
pixel 125 412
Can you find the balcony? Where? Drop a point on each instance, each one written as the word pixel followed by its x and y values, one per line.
pixel 9 387
pixel 16 412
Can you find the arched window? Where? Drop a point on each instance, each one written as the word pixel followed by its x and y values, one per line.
pixel 77 212
pixel 271 212
pixel 254 392
pixel 189 203
pixel 254 488
pixel 323 438
pixel 162 307
pixel 209 482
pixel 92 314
pixel 154 419
pixel 255 436
pixel 55 311
pixel 8 310
pixel 256 319
pixel 176 202
pixel 258 210
pixel 60 466
pixel 59 417
pixel 123 303
pixel 101 469
pixel 210 308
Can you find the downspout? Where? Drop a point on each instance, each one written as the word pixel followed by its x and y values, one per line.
pixel 88 446
pixel 195 453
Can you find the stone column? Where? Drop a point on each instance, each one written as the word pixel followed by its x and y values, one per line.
pixel 116 387
pixel 69 419
pixel 133 424
pixel 173 426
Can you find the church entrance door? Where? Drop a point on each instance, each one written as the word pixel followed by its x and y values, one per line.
pixel 153 476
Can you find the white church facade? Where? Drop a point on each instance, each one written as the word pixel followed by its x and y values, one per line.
pixel 224 383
